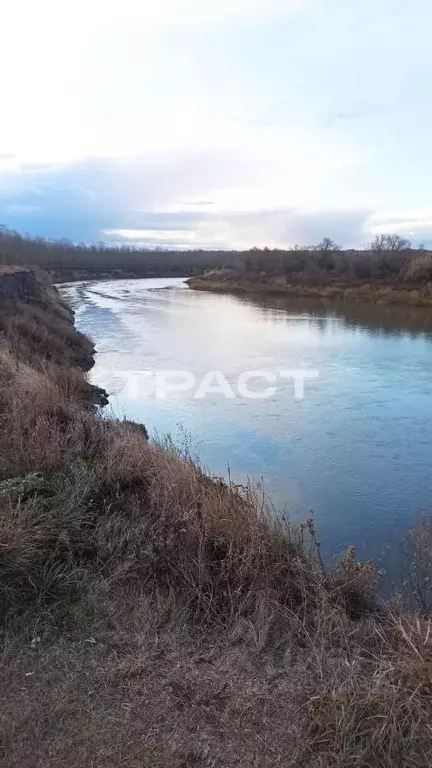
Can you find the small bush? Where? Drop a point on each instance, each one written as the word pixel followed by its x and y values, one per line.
pixel 420 269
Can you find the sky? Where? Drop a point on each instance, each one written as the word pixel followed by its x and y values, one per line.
pixel 217 123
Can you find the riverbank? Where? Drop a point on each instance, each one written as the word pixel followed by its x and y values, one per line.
pixel 155 616
pixel 381 294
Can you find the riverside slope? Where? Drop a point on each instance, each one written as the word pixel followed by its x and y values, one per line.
pixel 154 616
pixel 381 293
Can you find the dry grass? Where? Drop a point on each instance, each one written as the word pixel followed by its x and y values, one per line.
pixel 399 294
pixel 154 616
pixel 417 549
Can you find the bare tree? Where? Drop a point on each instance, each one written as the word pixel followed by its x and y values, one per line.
pixel 389 242
pixel 327 245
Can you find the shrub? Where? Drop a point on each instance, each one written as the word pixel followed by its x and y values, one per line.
pixel 420 269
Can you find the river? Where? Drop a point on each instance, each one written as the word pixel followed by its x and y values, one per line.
pixel 356 449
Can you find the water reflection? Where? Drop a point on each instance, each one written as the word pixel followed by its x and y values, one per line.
pixel 375 318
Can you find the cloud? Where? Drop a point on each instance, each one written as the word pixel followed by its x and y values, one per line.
pixel 230 122
pixel 164 12
pixel 196 203
pixel 162 201
pixel 82 200
pixel 417 227
pixel 141 200
pixel 273 228
pixel 359 112
pixel 158 201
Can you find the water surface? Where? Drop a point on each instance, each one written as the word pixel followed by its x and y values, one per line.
pixel 356 449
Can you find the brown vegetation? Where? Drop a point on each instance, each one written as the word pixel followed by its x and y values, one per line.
pixel 388 272
pixel 382 295
pixel 154 616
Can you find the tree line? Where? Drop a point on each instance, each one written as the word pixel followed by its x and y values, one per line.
pixel 387 257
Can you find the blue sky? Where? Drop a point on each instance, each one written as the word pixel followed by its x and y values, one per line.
pixel 217 123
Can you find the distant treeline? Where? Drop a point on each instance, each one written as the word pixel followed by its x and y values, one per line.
pixel 63 256
pixel 388 257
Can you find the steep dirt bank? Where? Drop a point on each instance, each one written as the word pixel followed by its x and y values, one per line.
pixel 382 294
pixel 152 616
pixel 20 285
pixel 38 328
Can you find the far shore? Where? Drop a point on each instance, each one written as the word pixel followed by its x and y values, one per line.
pixel 381 293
